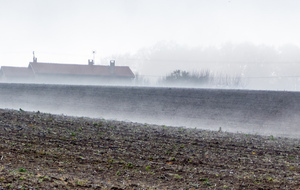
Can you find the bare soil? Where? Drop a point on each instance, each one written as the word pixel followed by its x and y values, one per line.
pixel 44 151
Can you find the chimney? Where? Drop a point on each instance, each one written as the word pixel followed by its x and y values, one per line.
pixel 91 62
pixel 34 58
pixel 112 66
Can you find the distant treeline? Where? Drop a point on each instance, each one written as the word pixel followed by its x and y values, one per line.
pixel 201 78
pixel 246 59
pixel 246 65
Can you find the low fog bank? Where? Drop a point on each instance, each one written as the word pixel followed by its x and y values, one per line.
pixel 260 67
pixel 256 112
pixel 228 66
pixel 213 81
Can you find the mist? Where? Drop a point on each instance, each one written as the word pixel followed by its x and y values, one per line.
pixel 255 112
pixel 68 31
pixel 256 42
pixel 261 67
pixel 256 67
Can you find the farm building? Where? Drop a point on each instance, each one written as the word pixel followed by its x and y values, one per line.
pixel 16 74
pixel 67 73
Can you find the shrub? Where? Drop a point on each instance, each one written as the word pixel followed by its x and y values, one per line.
pixel 204 77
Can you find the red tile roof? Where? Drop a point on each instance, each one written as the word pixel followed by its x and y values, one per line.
pixel 74 69
pixel 16 71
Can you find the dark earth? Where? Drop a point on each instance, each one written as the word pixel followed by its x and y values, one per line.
pixel 44 151
pixel 262 112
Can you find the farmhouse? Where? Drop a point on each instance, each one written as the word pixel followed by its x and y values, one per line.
pixel 16 74
pixel 67 73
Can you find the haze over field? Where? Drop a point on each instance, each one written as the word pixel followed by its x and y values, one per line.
pixel 252 40
pixel 256 40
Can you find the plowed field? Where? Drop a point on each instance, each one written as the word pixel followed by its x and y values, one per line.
pixel 44 151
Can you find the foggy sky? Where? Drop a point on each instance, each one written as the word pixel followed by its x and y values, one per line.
pixel 67 31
